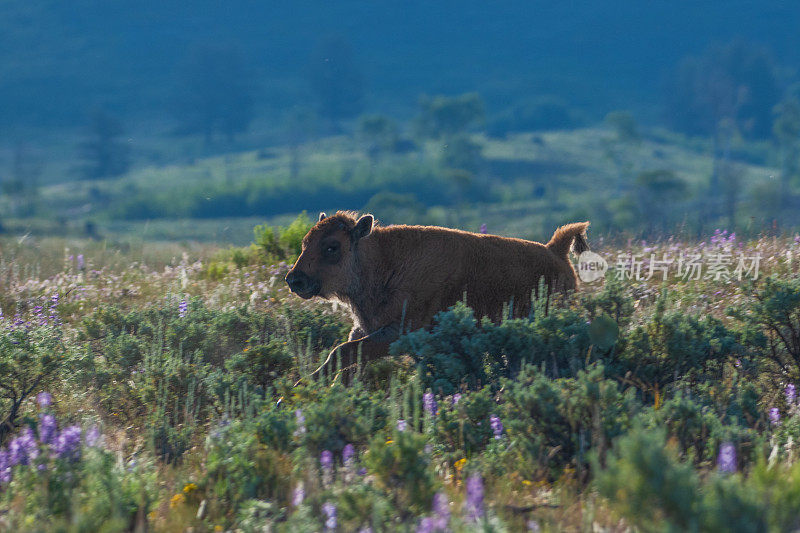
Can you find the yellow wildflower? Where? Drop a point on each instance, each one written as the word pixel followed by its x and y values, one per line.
pixel 177 500
pixel 460 463
pixel 190 487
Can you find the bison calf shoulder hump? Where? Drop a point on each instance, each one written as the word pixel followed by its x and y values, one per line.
pixel 400 276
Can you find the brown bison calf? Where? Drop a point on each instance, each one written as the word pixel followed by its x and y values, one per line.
pixel 399 277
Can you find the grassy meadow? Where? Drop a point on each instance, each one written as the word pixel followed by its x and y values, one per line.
pixel 151 389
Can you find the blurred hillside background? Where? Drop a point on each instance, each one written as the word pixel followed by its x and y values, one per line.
pixel 196 121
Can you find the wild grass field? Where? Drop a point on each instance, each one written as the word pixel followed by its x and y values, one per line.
pixel 151 389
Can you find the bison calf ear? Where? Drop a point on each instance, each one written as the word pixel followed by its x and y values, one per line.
pixel 321 217
pixel 363 227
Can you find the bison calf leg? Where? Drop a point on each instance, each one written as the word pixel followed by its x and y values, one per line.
pixel 371 347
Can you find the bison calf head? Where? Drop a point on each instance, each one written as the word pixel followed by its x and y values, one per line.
pixel 326 264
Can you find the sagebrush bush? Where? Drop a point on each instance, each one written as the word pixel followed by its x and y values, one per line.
pixel 771 324
pixel 461 351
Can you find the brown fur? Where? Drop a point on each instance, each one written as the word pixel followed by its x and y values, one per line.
pixel 399 277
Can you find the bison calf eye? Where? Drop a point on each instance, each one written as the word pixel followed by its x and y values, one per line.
pixel 331 249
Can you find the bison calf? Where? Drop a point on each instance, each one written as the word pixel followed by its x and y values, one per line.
pixel 400 276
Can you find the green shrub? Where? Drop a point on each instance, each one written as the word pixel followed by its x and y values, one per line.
pixel 672 345
pixel 401 467
pixel 555 423
pixel 654 490
pixel 32 356
pixel 458 350
pixel 282 244
pixel 340 416
pixel 76 485
pixel 464 429
pixel 647 483
pixel 771 322
pixel 695 426
pixel 241 467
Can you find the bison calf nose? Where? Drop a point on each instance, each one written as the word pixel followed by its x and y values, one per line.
pixel 301 284
pixel 297 281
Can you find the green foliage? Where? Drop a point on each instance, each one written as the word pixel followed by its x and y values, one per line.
pixel 647 483
pixel 401 466
pixel 339 417
pixel 380 132
pixel 180 371
pixel 535 114
pixel 284 244
pixel 612 300
pixel 459 351
pixel 672 345
pixel 32 356
pixel 463 429
pixel 636 402
pixel 771 322
pixel 248 459
pixel 445 116
pixel 698 430
pixel 462 153
pixel 262 364
pixel 555 423
pixel 95 493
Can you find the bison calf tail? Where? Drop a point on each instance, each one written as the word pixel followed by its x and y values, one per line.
pixel 569 236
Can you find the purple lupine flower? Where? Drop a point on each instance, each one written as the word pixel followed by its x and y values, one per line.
pixel 298 495
pixel 5 467
pixel 92 437
pixel 182 307
pixel 23 449
pixel 426 525
pixel 44 399
pixel 362 471
pixel 47 429
pixel 474 503
pixel 81 264
pixel 441 511
pixel 326 459
pixel 483 229
pixel 68 443
pixel 429 403
pixel 456 398
pixel 774 416
pixel 726 460
pixel 330 515
pixel 497 426
pixel 347 453
pixel 738 363
pixel 54 300
pixel 791 393
pixel 301 422
pixel 401 425
pixel 533 526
